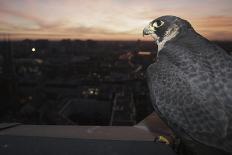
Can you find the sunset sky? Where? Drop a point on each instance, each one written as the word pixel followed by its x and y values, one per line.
pixel 109 19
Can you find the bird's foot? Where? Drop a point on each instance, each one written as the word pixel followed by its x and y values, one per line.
pixel 162 139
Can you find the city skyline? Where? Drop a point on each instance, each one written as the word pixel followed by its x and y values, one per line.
pixel 109 19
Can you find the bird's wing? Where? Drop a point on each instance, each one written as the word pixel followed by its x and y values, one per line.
pixel 185 109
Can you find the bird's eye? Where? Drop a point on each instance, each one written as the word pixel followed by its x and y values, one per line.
pixel 158 23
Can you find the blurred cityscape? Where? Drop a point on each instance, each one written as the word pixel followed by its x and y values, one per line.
pixel 76 82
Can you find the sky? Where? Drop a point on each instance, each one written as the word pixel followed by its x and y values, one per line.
pixel 109 19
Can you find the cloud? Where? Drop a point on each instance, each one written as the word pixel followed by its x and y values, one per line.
pixel 25 15
pixel 214 27
pixel 40 22
pixel 108 18
pixel 212 22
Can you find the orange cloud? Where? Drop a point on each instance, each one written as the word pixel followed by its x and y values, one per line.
pixel 214 27
pixel 109 19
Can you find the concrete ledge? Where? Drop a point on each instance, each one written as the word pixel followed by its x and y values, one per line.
pixel 83 132
pixel 72 140
pixel 23 145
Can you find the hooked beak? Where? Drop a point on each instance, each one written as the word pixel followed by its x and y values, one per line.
pixel 149 30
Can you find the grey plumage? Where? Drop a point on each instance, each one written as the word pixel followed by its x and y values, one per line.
pixel 191 84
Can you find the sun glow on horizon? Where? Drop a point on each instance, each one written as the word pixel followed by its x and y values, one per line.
pixel 109 19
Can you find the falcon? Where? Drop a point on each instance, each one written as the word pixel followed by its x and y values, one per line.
pixel 190 83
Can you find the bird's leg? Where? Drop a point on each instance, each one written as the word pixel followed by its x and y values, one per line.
pixel 176 144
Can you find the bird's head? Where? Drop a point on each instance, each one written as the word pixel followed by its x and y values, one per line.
pixel 166 28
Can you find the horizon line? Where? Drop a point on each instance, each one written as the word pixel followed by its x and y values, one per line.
pixel 59 37
pixel 89 39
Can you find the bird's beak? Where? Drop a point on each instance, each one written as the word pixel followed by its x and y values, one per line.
pixel 149 30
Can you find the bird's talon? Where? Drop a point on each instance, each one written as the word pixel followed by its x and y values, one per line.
pixel 162 139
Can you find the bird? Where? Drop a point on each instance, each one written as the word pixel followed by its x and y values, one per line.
pixel 190 83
